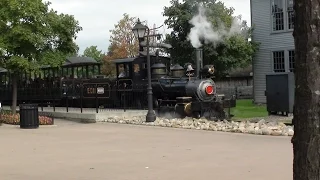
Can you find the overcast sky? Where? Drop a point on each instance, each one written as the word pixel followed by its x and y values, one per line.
pixel 97 17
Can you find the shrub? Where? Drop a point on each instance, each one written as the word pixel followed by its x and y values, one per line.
pixel 9 118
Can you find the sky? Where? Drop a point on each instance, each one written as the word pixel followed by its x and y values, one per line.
pixel 98 17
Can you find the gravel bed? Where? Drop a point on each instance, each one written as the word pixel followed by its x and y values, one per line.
pixel 253 126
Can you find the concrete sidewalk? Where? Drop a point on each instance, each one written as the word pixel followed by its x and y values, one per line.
pixel 88 115
pixel 104 151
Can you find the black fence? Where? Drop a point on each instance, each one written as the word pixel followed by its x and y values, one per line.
pixel 96 99
pixel 93 98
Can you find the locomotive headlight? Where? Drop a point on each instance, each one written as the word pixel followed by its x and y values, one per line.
pixel 209 89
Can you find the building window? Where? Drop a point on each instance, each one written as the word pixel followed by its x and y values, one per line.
pixel 278 61
pixel 277 15
pixel 291 60
pixel 290 14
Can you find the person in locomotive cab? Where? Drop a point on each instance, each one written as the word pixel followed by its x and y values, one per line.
pixel 122 72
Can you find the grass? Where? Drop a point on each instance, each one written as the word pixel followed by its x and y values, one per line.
pixel 246 109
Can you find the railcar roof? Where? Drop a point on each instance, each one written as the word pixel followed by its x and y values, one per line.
pixel 124 60
pixel 3 70
pixel 70 61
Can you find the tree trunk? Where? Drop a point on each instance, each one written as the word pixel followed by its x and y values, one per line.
pixel 306 139
pixel 14 93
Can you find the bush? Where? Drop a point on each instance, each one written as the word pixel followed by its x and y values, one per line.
pixel 7 117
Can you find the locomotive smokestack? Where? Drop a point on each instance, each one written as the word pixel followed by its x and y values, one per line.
pixel 199 61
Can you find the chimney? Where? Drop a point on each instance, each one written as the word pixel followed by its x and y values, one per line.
pixel 199 61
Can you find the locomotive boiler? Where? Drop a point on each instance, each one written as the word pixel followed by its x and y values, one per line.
pixel 186 91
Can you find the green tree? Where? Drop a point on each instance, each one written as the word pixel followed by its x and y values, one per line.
pixel 33 35
pixel 306 120
pixel 93 52
pixel 222 36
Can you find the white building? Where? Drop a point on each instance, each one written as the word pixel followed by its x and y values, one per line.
pixel 273 27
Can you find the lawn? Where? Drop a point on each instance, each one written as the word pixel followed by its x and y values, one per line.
pixel 246 109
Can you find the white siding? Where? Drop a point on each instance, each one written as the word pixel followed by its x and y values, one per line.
pixel 269 41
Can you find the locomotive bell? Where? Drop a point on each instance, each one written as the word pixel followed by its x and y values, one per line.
pixel 189 68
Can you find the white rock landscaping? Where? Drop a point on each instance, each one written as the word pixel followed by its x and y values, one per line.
pixel 261 127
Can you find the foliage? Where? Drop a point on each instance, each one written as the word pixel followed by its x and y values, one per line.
pixel 115 52
pixel 123 37
pixel 123 44
pixel 234 51
pixel 94 53
pixel 14 119
pixel 33 35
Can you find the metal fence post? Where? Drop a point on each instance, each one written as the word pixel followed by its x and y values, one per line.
pixel 81 96
pixel 96 91
pixel 54 101
pixel 42 99
pixel 124 101
pixel 67 99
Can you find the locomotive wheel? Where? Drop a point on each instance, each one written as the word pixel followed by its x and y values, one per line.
pixel 179 111
pixel 215 112
pixel 196 115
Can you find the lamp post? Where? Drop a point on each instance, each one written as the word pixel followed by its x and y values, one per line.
pixel 139 31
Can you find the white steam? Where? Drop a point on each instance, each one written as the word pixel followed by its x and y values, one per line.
pixel 203 29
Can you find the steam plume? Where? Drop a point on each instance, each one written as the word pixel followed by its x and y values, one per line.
pixel 203 30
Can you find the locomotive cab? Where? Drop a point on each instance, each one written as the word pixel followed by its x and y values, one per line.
pixel 131 72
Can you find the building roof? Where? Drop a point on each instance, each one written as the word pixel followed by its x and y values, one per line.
pixel 241 72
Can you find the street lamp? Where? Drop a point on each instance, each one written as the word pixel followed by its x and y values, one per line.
pixel 139 31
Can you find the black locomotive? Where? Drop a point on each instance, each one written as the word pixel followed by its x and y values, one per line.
pixel 185 91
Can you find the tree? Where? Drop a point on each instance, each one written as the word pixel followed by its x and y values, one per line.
pixel 93 52
pixel 122 35
pixel 225 36
pixel 123 44
pixel 306 121
pixel 33 35
pixel 114 52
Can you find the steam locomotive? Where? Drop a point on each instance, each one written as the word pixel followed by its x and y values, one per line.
pixel 188 91
pixel 182 91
